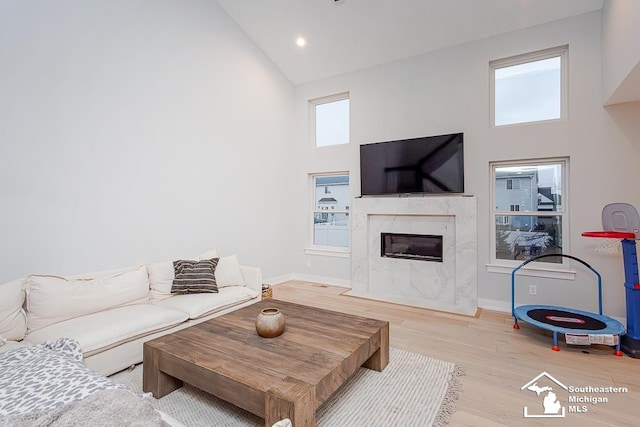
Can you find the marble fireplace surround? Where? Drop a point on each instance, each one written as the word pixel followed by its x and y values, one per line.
pixel 450 285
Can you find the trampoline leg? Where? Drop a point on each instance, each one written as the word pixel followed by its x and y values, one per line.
pixel 555 342
pixel 515 323
pixel 618 352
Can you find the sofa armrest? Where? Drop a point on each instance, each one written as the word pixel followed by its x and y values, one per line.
pixel 252 277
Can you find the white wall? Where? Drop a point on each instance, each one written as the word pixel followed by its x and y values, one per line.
pixel 152 130
pixel 621 51
pixel 135 131
pixel 448 91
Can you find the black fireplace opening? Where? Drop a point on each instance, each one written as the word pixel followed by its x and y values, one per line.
pixel 423 247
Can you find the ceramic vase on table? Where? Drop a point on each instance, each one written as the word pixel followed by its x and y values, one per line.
pixel 270 323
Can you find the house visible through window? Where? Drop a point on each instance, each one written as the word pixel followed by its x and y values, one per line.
pixel 530 220
pixel 529 88
pixel 331 200
pixel 330 120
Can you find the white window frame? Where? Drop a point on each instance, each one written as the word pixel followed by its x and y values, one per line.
pixel 313 103
pixel 313 249
pixel 559 51
pixel 561 270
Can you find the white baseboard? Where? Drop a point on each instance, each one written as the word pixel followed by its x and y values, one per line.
pixel 324 280
pixel 494 305
pixel 277 280
pixel 484 303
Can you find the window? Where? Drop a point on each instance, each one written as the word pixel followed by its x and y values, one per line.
pixel 531 220
pixel 330 120
pixel 330 211
pixel 529 88
pixel 513 184
pixel 502 220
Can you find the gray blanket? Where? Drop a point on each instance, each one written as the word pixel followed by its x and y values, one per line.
pixel 47 376
pixel 106 408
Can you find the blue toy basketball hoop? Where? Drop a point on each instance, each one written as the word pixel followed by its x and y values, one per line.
pixel 565 320
pixel 621 221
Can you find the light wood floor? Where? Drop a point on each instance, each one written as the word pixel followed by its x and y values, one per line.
pixel 497 360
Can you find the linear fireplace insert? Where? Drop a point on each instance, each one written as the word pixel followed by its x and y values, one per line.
pixel 423 247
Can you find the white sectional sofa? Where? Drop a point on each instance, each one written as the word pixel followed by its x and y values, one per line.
pixel 112 313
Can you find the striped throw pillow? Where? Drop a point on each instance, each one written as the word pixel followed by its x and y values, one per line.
pixel 194 277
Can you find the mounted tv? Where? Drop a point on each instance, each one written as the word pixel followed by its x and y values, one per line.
pixel 431 164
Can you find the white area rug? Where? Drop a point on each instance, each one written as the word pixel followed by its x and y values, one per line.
pixel 413 390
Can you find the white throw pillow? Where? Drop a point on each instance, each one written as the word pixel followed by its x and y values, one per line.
pixel 211 253
pixel 55 299
pixel 13 319
pixel 160 280
pixel 228 272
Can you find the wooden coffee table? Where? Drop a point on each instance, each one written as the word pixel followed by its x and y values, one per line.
pixel 289 376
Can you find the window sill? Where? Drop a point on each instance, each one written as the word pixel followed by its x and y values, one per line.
pixel 339 253
pixel 534 270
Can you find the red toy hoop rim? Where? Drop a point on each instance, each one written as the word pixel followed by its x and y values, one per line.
pixel 609 234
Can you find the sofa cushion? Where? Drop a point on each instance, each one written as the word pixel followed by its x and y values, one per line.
pixel 106 329
pixel 194 277
pixel 198 305
pixel 53 299
pixel 13 319
pixel 161 276
pixel 228 272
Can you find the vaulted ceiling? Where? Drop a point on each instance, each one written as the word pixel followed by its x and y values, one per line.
pixel 347 35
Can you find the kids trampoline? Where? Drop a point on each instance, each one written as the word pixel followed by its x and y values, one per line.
pixel 565 320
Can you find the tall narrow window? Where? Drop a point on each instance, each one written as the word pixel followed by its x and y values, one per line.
pixel 330 120
pixel 529 88
pixel 330 210
pixel 531 220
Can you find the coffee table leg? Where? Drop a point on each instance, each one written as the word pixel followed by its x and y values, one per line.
pixel 380 359
pixel 299 405
pixel 154 380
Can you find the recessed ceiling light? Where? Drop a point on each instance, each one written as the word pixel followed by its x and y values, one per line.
pixel 300 41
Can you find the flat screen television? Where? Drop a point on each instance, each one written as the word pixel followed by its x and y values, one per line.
pixel 431 164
